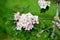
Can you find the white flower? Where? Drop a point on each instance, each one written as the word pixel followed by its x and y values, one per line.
pixel 29 26
pixel 17 16
pixel 48 3
pixel 19 26
pixel 35 19
pixel 43 4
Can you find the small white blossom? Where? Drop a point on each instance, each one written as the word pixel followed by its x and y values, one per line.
pixel 17 16
pixel 43 4
pixel 48 3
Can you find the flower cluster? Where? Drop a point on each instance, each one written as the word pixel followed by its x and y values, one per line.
pixel 43 4
pixel 25 21
pixel 57 21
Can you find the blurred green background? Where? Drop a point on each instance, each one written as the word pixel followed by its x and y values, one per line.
pixel 9 7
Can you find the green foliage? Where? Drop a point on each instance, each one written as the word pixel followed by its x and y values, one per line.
pixel 7 25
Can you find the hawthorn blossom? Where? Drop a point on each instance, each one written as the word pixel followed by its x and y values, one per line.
pixel 29 26
pixel 36 19
pixel 43 4
pixel 26 21
pixel 17 16
pixel 48 3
